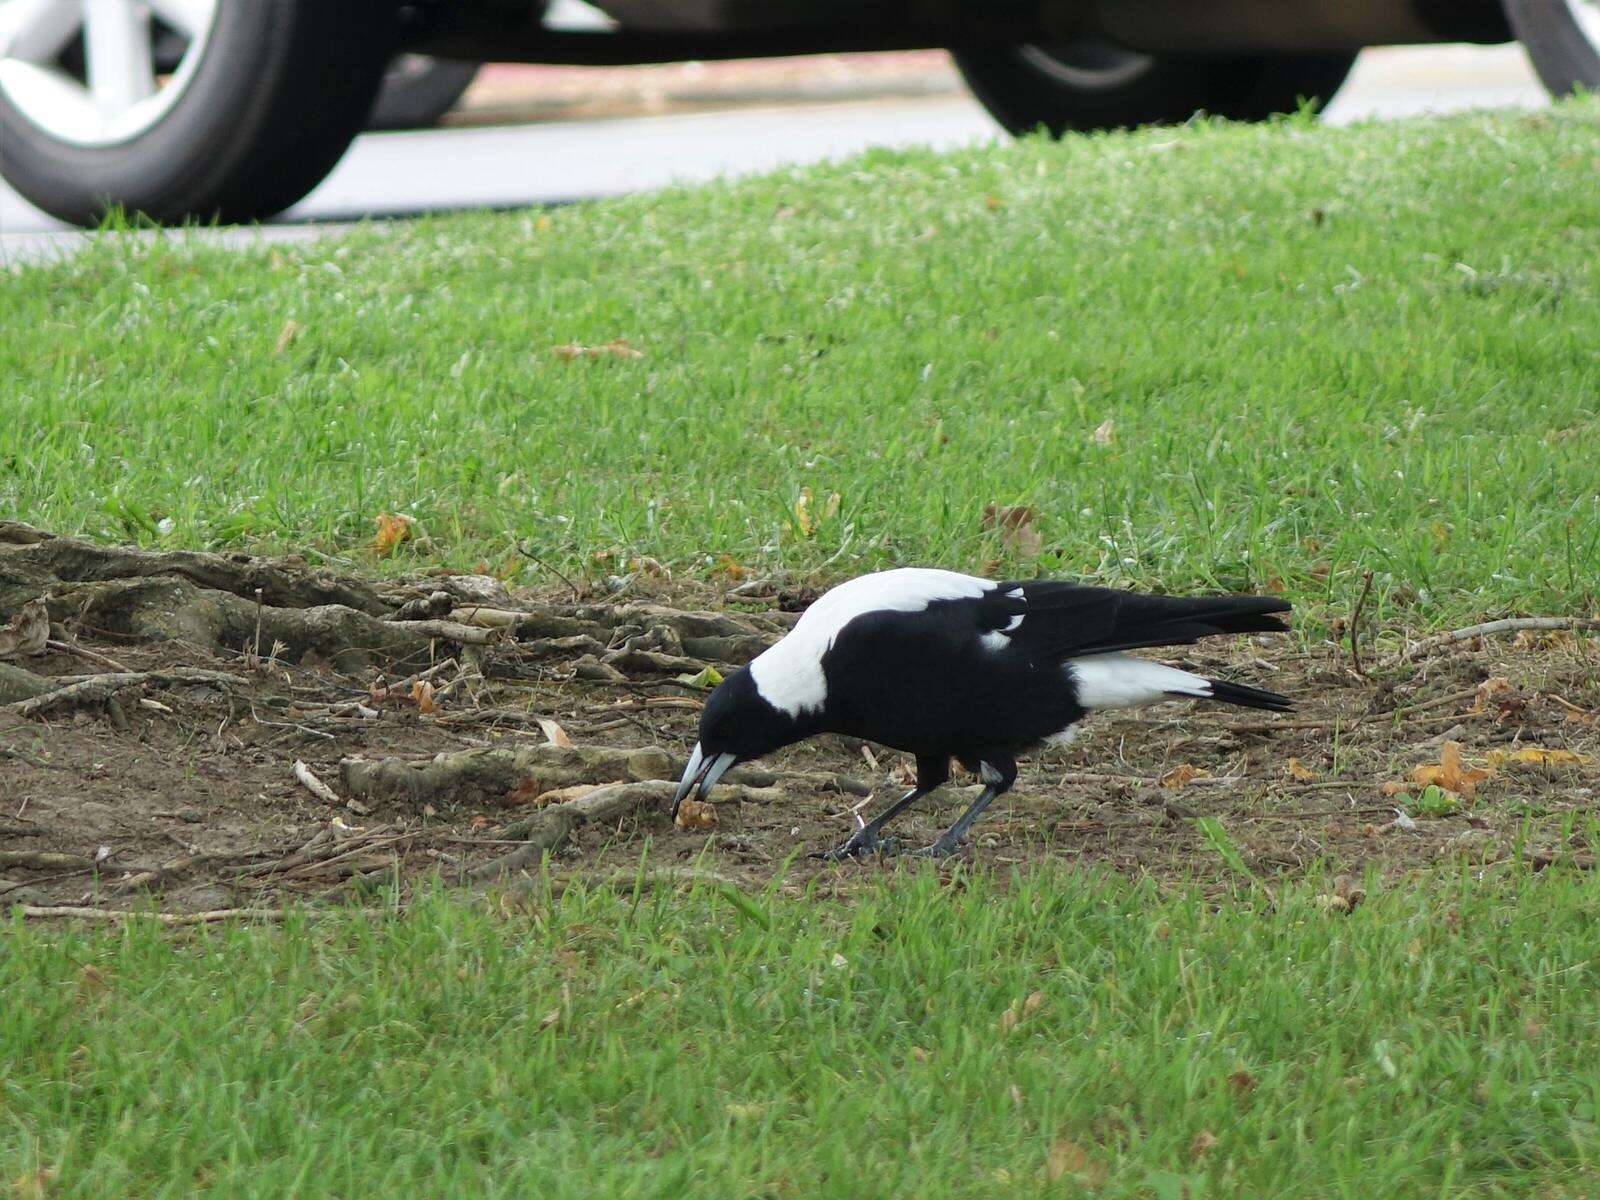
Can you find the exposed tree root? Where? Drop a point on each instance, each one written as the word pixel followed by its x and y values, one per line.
pixel 516 776
pixel 496 776
pixel 171 608
pixel 757 776
pixel 234 603
pixel 17 684
pixel 282 583
pixel 97 689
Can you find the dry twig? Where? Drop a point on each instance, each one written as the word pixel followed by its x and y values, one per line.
pixel 172 919
pixel 1355 623
pixel 1489 628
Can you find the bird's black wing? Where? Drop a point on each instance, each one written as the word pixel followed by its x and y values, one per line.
pixel 1063 620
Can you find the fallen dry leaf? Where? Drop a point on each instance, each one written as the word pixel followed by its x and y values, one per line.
pixel 549 1019
pixel 27 633
pixel 1578 716
pixel 802 513
pixel 1543 639
pixel 1068 1158
pixel 1182 774
pixel 617 348
pixel 904 773
pixel 1351 888
pixel 1015 523
pixel 1243 1083
pixel 1105 433
pixel 744 1112
pixel 652 567
pixel 34 1185
pixel 422 697
pixel 706 677
pixel 1499 697
pixel 393 529
pixel 286 335
pixel 1450 774
pixel 1487 690
pixel 91 981
pixel 696 814
pixel 1203 1141
pixel 726 566
pixel 564 795
pixel 1020 1011
pixel 1295 769
pixel 1540 756
pixel 804 520
pixel 553 732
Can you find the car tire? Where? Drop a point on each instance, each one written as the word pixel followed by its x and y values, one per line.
pixel 1092 83
pixel 418 90
pixel 266 98
pixel 1562 38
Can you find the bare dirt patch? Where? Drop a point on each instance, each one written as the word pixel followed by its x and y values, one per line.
pixel 215 731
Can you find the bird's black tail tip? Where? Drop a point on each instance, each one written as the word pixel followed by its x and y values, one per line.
pixel 1248 697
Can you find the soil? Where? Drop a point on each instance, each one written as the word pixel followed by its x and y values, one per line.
pixel 166 777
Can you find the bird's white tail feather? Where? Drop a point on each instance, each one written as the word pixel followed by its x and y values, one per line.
pixel 1123 681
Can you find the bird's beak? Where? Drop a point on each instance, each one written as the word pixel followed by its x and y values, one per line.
pixel 701 771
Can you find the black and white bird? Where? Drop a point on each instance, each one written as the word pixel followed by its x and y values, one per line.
pixel 943 665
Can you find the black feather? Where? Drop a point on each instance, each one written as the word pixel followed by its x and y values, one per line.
pixel 1248 697
pixel 1063 620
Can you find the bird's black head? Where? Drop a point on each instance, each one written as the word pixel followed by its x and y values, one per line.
pixel 736 725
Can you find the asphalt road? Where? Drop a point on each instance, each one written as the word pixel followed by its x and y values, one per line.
pixel 403 174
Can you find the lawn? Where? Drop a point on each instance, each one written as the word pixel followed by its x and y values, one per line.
pixel 1051 1034
pixel 1272 357
pixel 1308 352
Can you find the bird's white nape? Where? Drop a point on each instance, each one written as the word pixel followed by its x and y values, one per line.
pixel 1123 681
pixel 789 675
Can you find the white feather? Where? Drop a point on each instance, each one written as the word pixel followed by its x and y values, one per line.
pixel 1063 739
pixel 1123 681
pixel 789 675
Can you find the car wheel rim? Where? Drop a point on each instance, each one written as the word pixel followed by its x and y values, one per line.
pixel 1088 64
pixel 100 72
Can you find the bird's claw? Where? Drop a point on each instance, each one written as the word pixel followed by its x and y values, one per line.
pixel 939 850
pixel 856 846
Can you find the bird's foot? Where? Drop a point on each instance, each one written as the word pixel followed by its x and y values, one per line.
pixel 858 845
pixel 940 849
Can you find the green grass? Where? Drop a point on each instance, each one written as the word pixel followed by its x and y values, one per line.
pixel 1438 1042
pixel 1323 351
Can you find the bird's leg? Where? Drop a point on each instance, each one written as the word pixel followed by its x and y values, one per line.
pixel 865 840
pixel 931 774
pixel 997 776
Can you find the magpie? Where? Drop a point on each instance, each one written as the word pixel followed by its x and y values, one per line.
pixel 943 665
